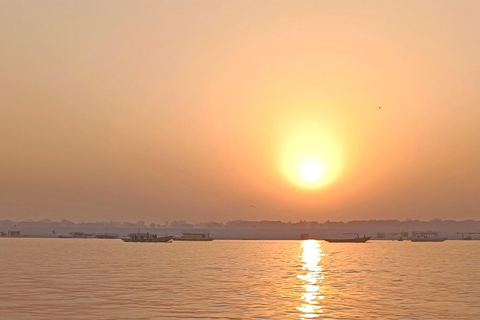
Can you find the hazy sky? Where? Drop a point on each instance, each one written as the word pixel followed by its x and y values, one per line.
pixel 210 110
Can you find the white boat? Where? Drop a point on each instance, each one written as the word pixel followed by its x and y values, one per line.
pixel 194 236
pixel 426 236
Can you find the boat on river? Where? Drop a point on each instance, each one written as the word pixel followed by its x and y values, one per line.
pixel 146 237
pixel 82 235
pixel 356 239
pixel 194 236
pixel 305 236
pixel 426 236
pixel 106 235
pixel 468 235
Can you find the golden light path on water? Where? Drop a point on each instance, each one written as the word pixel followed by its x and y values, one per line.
pixel 311 279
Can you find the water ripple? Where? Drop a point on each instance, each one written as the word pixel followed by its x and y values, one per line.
pixel 108 279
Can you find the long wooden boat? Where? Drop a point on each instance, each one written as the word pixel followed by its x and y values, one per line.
pixel 426 236
pixel 429 240
pixel 354 240
pixel 146 237
pixel 106 235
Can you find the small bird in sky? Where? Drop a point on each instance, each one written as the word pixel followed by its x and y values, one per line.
pixel 379 107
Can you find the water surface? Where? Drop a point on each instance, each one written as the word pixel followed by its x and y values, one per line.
pixel 110 279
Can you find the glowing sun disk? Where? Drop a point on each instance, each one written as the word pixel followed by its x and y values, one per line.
pixel 311 172
pixel 310 156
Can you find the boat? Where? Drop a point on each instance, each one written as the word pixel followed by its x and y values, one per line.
pixel 356 239
pixel 146 237
pixel 13 233
pixel 106 236
pixel 82 235
pixel 65 236
pixel 467 235
pixel 426 236
pixel 194 236
pixel 305 236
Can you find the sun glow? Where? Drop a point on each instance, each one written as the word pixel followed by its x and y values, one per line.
pixel 312 172
pixel 310 157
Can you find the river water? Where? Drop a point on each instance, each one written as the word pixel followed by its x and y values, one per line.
pixel 110 279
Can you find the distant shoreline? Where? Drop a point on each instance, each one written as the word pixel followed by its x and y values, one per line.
pixel 252 230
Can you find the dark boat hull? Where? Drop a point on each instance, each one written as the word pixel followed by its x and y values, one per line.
pixel 428 240
pixel 106 236
pixel 354 240
pixel 183 239
pixel 151 240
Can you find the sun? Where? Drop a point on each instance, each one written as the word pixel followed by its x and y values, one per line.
pixel 311 172
pixel 310 157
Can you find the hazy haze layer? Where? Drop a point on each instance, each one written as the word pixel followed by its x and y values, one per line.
pixel 120 110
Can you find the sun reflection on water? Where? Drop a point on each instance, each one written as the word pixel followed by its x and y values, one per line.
pixel 311 278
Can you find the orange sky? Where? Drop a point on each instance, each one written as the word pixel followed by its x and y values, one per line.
pixel 202 110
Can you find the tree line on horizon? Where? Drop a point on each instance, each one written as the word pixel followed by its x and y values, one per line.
pixel 436 224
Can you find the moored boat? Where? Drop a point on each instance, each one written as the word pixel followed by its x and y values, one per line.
pixel 106 236
pixel 305 236
pixel 356 239
pixel 146 237
pixel 426 236
pixel 467 235
pixel 77 234
pixel 194 236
